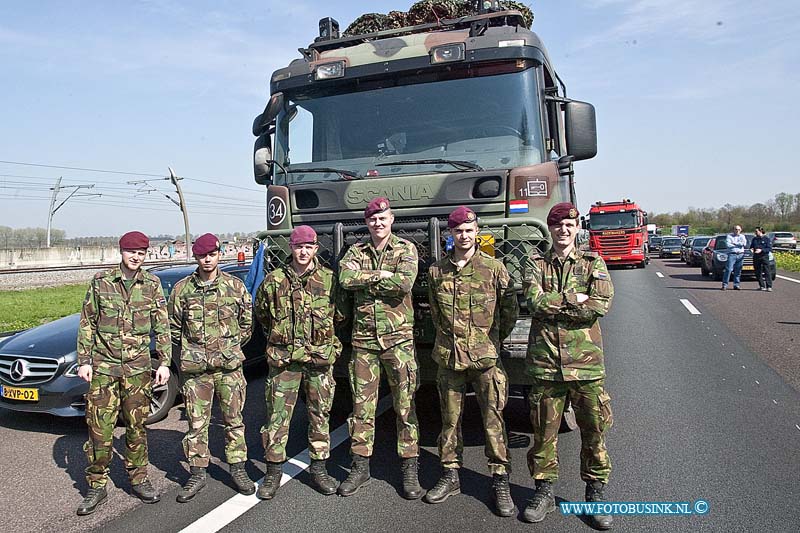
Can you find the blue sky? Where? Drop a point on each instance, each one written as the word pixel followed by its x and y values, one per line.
pixel 695 102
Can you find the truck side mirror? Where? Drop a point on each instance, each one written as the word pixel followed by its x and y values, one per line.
pixel 262 159
pixel 263 121
pixel 580 129
pixel 584 223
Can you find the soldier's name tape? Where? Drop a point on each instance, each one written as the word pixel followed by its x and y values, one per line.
pixel 236 506
pixel 699 507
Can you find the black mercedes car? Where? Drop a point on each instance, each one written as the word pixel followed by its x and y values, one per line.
pixel 39 369
pixel 670 247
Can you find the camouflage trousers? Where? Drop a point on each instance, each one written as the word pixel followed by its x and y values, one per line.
pixel 282 387
pixel 592 406
pixel 109 396
pixel 400 364
pixel 491 391
pixel 198 392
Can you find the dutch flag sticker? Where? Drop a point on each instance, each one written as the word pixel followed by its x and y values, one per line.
pixel 518 206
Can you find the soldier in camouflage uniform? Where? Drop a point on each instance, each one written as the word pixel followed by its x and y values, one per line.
pixel 122 307
pixel 380 274
pixel 567 291
pixel 296 305
pixel 474 307
pixel 211 317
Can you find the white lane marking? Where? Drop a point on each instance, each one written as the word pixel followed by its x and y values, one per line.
pixel 237 505
pixel 659 274
pixel 788 279
pixel 688 305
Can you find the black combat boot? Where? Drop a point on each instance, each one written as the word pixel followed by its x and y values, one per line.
pixel 242 481
pixel 411 487
pixel 448 485
pixel 543 502
pixel 94 497
pixel 501 494
pixel 594 493
pixel 272 481
pixel 146 492
pixel 196 482
pixel 320 480
pixel 358 477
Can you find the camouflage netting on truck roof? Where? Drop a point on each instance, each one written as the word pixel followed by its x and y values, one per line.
pixel 424 12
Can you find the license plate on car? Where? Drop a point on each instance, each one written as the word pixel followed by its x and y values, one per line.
pixel 19 393
pixel 748 267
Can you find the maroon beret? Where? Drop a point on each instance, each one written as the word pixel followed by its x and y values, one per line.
pixel 303 235
pixel 561 211
pixel 205 244
pixel 134 240
pixel 376 205
pixel 460 215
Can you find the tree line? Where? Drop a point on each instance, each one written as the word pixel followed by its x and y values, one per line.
pixel 15 238
pixel 781 213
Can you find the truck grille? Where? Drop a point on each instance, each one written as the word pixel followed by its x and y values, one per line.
pixel 27 370
pixel 615 244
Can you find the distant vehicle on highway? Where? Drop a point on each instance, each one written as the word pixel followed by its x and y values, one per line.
pixel 654 243
pixel 670 247
pixel 39 366
pixel 783 239
pixel 694 255
pixel 715 257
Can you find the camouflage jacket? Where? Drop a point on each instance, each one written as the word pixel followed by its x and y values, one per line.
pixel 115 324
pixel 298 314
pixel 383 312
pixel 210 322
pixel 473 309
pixel 565 343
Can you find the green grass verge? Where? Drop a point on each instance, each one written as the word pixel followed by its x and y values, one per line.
pixel 32 307
pixel 788 261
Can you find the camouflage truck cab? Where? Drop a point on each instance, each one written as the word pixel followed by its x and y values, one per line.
pixel 458 111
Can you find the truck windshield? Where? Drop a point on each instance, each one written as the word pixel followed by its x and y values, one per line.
pixel 490 121
pixel 603 221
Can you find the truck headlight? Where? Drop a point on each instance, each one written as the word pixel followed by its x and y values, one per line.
pixel 447 53
pixel 329 71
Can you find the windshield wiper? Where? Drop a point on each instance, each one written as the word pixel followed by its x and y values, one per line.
pixel 460 165
pixel 345 174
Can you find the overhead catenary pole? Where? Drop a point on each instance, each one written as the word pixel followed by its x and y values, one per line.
pixel 50 211
pixel 176 182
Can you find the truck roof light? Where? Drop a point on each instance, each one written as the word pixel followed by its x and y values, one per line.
pixel 328 29
pixel 329 71
pixel 447 53
pixel 511 42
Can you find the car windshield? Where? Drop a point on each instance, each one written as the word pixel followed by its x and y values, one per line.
pixel 671 241
pixel 783 235
pixel 493 121
pixel 605 221
pixel 700 242
pixel 655 239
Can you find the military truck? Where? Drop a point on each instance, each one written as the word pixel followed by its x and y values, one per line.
pixel 456 111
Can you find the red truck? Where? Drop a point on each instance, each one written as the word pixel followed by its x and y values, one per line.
pixel 618 232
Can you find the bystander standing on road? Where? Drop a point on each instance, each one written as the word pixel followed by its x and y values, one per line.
pixel 211 318
pixel 297 307
pixel 122 307
pixel 736 242
pixel 567 291
pixel 761 245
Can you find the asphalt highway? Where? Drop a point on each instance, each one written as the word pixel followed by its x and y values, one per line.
pixel 706 407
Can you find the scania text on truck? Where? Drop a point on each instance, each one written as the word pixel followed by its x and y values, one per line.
pixel 466 110
pixel 618 231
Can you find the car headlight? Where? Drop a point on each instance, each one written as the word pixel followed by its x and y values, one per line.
pixel 722 257
pixel 72 371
